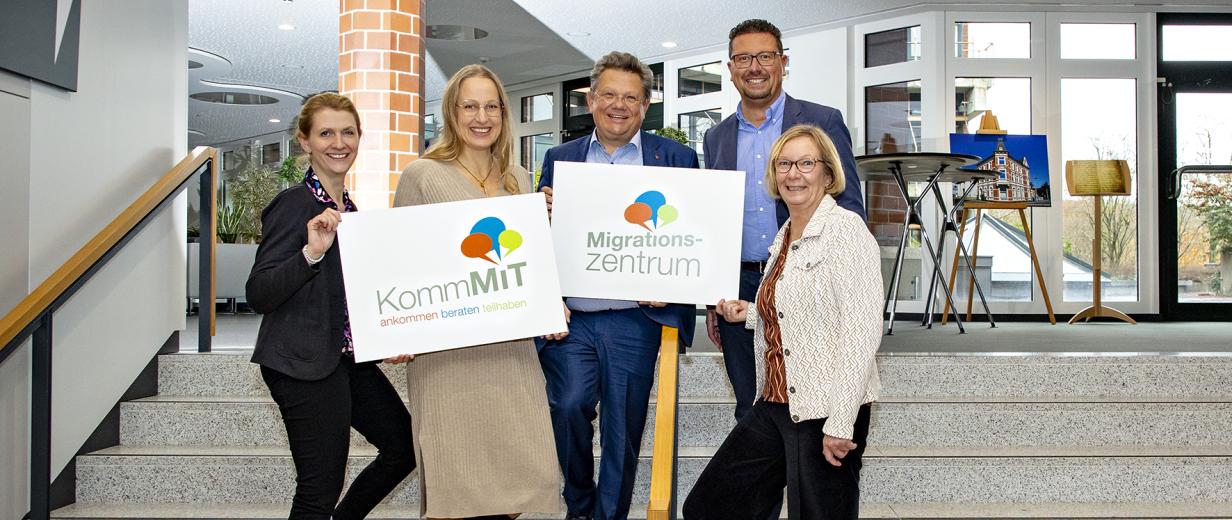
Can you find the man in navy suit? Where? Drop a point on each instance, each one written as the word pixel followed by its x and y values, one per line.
pixel 609 355
pixel 742 141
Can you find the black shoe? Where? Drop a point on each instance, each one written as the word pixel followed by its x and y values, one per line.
pixel 578 516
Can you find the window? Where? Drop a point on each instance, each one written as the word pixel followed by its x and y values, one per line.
pixel 1098 41
pixel 1003 267
pixel 893 46
pixel 537 108
pixel 534 147
pixel 700 79
pixel 577 102
pixel 892 113
pixel 431 127
pixel 1007 98
pixel 1099 121
pixel 992 40
pixel 695 124
pixel 1204 258
pixel 1195 42
pixel 271 154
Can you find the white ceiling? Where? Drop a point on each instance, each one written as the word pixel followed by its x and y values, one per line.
pixel 528 40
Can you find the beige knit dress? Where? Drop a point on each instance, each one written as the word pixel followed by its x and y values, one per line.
pixel 483 435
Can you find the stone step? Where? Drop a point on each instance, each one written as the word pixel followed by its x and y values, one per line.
pixel 702 376
pixel 255 421
pixel 1092 510
pixel 890 475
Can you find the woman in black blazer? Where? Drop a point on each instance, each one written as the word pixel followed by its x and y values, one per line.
pixel 304 345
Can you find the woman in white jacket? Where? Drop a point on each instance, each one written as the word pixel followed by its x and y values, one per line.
pixel 817 321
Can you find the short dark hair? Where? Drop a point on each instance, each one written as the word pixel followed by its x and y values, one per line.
pixel 755 25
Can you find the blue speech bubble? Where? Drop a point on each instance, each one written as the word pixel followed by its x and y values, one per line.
pixel 492 227
pixel 655 200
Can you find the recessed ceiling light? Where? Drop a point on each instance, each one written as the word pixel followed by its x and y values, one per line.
pixel 669 45
pixel 579 34
pixel 286 27
pixel 275 120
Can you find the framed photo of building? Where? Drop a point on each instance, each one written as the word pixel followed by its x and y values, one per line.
pixel 1020 162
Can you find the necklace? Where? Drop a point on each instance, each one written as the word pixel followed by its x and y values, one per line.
pixel 482 182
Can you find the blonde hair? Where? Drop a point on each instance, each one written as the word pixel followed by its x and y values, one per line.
pixel 448 145
pixel 829 158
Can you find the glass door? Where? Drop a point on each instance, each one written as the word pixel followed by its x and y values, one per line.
pixel 1195 155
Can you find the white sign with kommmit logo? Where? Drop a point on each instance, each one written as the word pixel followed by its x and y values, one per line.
pixel 451 275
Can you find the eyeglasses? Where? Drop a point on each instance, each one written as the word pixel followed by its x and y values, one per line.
pixel 804 165
pixel 766 59
pixel 608 98
pixel 471 108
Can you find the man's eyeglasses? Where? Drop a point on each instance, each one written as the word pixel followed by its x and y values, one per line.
pixel 766 59
pixel 471 108
pixel 608 98
pixel 805 165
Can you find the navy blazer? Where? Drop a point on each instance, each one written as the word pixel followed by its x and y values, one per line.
pixel 720 147
pixel 656 151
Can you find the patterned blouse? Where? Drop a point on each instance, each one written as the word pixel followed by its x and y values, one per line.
pixel 318 191
pixel 776 368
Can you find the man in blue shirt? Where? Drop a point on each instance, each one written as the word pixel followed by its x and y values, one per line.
pixel 610 353
pixel 742 141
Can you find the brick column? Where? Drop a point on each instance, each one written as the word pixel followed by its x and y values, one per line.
pixel 380 67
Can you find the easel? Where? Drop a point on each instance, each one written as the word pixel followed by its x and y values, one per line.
pixel 1097 309
pixel 989 125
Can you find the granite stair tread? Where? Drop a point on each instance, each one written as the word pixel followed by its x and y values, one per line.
pixel 1092 510
pixel 872 452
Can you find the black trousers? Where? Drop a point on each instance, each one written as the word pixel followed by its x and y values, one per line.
pixel 767 451
pixel 319 416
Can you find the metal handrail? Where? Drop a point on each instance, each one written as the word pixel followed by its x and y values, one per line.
pixel 665 454
pixel 1174 179
pixel 32 317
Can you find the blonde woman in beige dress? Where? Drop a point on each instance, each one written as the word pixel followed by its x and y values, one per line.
pixel 483 435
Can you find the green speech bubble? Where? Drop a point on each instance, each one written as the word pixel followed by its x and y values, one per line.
pixel 511 240
pixel 668 214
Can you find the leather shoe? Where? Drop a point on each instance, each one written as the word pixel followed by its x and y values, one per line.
pixel 578 516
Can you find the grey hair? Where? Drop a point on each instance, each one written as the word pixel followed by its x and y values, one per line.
pixel 626 62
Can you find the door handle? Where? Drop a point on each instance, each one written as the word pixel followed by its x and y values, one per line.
pixel 1174 179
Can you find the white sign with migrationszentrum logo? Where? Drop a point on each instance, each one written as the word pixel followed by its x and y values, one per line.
pixel 647 233
pixel 444 276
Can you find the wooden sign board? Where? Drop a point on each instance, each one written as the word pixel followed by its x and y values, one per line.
pixel 1102 177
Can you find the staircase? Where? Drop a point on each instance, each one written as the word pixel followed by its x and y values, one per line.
pixel 953 437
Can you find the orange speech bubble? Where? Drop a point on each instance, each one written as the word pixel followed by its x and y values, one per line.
pixel 477 245
pixel 638 213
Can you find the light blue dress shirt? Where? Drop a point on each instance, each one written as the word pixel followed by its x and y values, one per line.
pixel 752 154
pixel 629 153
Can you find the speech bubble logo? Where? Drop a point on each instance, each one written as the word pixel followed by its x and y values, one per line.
pixel 477 245
pixel 638 213
pixel 489 235
pixel 510 240
pixel 652 207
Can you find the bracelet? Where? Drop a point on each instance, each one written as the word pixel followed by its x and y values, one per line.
pixel 311 260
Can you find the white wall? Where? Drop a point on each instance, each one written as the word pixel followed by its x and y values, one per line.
pixel 90 153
